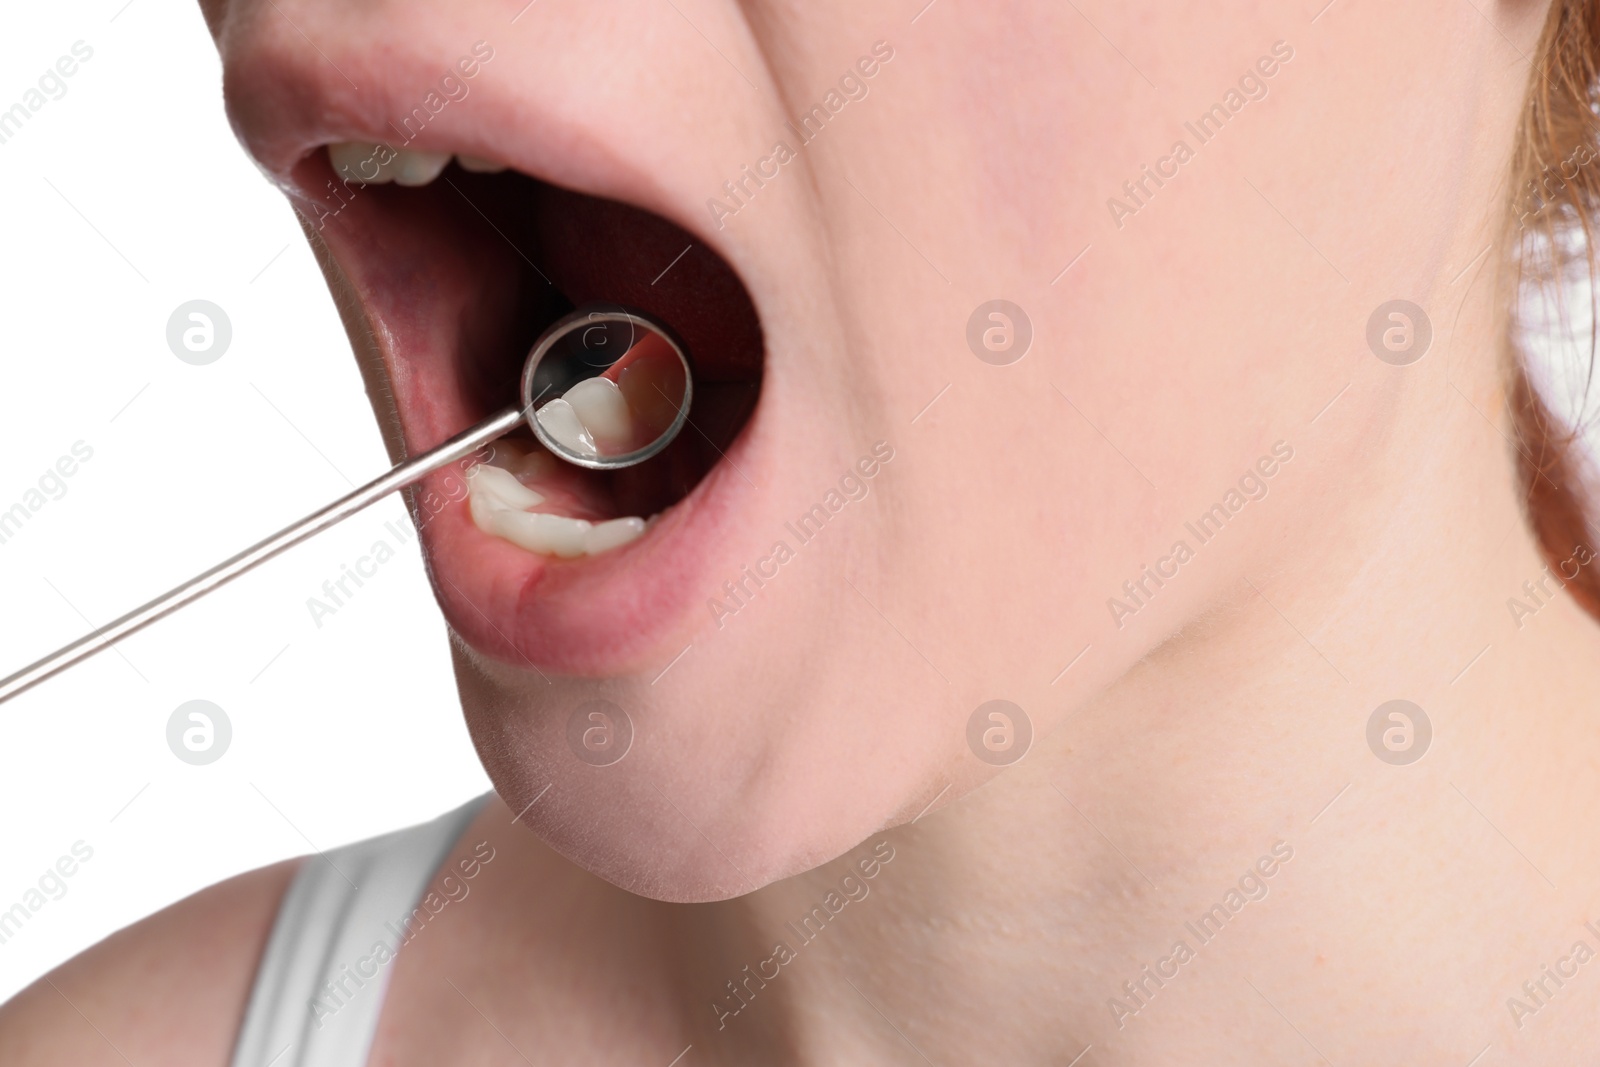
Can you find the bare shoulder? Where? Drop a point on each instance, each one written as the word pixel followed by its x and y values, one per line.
pixel 169 989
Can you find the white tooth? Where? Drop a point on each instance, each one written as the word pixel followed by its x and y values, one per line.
pixel 483 507
pixel 413 167
pixel 614 533
pixel 502 487
pixel 355 160
pixel 603 410
pixel 552 535
pixel 479 165
pixel 496 500
pixel 484 503
pixel 565 428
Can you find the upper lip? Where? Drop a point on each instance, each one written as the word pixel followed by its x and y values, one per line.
pixel 622 611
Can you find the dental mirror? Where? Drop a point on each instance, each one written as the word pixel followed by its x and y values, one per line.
pixel 606 388
pixel 603 388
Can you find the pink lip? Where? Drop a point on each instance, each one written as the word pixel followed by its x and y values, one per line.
pixel 598 616
pixel 627 610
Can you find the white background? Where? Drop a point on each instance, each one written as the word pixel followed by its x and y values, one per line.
pixel 339 732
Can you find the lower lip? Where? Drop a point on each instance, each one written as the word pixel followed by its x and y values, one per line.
pixel 605 615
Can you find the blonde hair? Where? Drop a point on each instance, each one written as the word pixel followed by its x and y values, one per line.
pixel 1551 209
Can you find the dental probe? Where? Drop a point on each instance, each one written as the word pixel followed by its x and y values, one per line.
pixel 636 357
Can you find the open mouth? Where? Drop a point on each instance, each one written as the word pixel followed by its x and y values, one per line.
pixel 456 265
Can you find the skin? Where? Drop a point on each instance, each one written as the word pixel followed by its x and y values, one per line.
pixel 1225 718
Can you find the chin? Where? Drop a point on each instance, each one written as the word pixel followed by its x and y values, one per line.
pixel 716 796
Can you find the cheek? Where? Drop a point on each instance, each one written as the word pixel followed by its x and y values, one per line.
pixel 1157 372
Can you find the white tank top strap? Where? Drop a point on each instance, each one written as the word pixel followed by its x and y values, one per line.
pixel 320 986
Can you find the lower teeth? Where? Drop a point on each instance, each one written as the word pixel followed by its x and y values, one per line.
pixel 499 503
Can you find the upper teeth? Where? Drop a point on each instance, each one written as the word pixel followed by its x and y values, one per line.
pixel 591 417
pixel 560 420
pixel 360 161
pixel 498 502
pixel 603 411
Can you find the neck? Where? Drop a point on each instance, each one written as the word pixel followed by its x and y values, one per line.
pixel 1209 857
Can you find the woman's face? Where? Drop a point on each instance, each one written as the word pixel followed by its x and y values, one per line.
pixel 1043 291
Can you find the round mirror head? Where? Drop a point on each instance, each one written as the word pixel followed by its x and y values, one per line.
pixel 606 387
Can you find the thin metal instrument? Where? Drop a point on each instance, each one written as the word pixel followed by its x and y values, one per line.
pixel 589 343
